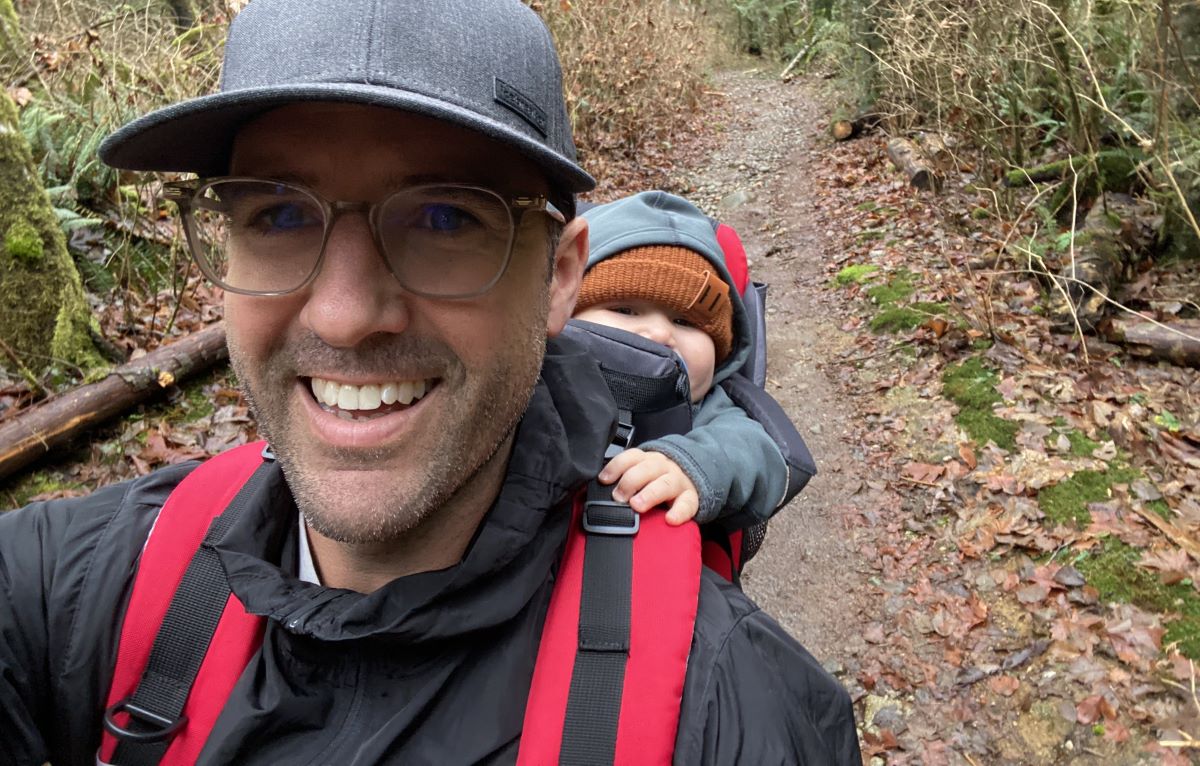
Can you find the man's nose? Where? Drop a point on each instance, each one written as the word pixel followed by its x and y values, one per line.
pixel 355 295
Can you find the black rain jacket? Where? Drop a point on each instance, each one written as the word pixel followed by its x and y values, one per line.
pixel 433 668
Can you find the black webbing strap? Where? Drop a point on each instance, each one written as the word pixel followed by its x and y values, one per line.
pixel 598 677
pixel 156 706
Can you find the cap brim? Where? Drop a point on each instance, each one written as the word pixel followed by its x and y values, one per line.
pixel 196 136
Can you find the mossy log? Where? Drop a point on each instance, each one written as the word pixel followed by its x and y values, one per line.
pixel 1177 342
pixel 1117 232
pixel 44 315
pixel 906 156
pixel 1115 169
pixel 34 433
pixel 844 127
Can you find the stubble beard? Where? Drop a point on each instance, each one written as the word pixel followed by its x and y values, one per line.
pixel 485 409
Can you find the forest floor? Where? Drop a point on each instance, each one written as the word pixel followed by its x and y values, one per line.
pixel 977 614
pixel 997 557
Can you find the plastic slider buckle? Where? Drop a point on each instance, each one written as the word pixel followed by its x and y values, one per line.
pixel 162 728
pixel 620 441
pixel 267 454
pixel 610 518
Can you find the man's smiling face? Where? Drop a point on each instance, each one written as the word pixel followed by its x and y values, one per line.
pixel 381 405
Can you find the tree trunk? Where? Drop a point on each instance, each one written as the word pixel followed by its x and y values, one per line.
pixel 12 45
pixel 34 433
pixel 1177 342
pixel 1117 230
pixel 908 158
pixel 44 316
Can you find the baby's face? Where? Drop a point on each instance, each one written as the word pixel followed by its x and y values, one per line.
pixel 664 326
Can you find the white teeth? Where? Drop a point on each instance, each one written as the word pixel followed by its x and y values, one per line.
pixel 331 393
pixel 387 394
pixel 345 396
pixel 368 397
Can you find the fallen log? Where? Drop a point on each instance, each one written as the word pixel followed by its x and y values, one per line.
pixel 905 155
pixel 1115 169
pixel 844 127
pixel 1116 232
pixel 1177 342
pixel 34 433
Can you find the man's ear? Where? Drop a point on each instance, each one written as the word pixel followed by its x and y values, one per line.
pixel 570 260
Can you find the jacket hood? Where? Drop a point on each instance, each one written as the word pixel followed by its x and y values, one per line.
pixel 659 218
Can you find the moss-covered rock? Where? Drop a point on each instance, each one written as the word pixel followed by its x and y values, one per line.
pixel 45 315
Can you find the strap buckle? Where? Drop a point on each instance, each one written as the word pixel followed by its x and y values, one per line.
pixel 161 728
pixel 608 517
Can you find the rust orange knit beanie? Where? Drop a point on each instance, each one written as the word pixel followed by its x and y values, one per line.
pixel 669 276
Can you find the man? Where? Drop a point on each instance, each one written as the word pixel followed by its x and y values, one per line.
pixel 386 196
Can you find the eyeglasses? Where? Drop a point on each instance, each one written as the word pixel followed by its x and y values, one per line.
pixel 257 236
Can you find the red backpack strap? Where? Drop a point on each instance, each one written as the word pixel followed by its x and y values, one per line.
pixel 663 586
pixel 171 550
pixel 735 256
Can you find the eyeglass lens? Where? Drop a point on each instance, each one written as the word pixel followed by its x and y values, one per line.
pixel 266 236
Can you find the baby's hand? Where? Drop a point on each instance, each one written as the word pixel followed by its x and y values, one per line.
pixel 647 479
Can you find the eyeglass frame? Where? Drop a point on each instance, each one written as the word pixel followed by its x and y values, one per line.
pixel 183 193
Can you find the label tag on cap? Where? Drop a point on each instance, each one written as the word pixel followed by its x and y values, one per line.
pixel 710 295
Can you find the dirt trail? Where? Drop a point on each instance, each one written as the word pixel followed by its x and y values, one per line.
pixel 947 664
pixel 808 574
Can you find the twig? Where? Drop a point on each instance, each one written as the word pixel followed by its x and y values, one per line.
pixel 911 480
pixel 30 378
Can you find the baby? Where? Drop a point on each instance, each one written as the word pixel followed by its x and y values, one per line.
pixel 656 269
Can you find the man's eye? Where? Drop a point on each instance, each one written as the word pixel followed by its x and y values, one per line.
pixel 440 217
pixel 287 217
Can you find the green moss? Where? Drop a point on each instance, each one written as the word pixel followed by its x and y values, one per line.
pixel 1112 570
pixel 23 243
pixel 972 386
pixel 899 318
pixel 855 275
pixel 46 315
pixel 1081 446
pixel 1161 508
pixel 22 491
pixel 899 287
pixel 980 213
pixel 1067 501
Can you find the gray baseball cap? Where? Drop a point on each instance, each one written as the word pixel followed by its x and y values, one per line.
pixel 486 65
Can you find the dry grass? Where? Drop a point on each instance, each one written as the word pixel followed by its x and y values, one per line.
pixel 634 74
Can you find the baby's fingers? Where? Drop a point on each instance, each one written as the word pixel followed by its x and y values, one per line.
pixel 684 508
pixel 617 467
pixel 663 489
